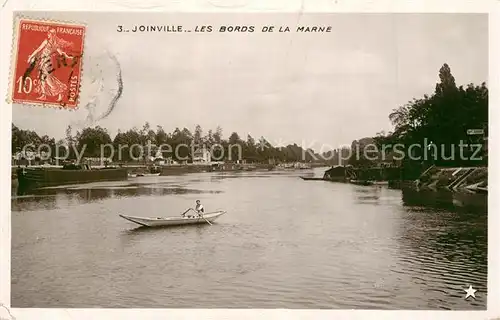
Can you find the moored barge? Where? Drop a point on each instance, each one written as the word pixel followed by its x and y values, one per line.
pixel 39 177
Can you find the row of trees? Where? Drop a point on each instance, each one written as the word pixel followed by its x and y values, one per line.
pixel 441 119
pixel 90 140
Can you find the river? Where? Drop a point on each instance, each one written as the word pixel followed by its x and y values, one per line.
pixel 284 243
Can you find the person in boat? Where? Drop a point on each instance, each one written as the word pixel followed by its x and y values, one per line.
pixel 198 210
pixel 199 207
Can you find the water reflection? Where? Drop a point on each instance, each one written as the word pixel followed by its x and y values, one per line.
pixel 44 202
pixel 47 198
pixel 445 200
pixel 283 239
pixel 367 195
pixel 442 233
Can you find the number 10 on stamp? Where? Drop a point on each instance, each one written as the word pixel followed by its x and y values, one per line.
pixel 47 63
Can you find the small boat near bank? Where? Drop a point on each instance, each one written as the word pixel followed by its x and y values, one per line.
pixel 173 221
pixel 357 182
pixel 313 179
pixel 362 182
pixel 135 175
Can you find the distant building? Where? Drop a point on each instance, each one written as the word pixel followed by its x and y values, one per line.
pixel 160 161
pixel 30 158
pixel 201 156
pixel 96 161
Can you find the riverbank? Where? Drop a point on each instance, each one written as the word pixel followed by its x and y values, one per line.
pixel 456 179
pixel 231 167
pixel 473 179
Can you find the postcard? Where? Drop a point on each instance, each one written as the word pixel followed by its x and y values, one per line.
pixel 331 161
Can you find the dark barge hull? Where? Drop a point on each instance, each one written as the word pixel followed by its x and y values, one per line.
pixel 313 179
pixel 331 179
pixel 184 169
pixel 32 178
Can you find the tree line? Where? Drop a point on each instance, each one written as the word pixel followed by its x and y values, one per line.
pixel 442 118
pixel 90 139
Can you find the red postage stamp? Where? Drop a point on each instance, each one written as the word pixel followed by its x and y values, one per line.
pixel 47 63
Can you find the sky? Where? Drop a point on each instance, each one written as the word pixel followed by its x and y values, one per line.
pixel 313 89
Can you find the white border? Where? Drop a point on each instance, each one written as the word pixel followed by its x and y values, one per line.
pixel 252 6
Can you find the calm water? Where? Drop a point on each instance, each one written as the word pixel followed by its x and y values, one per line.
pixel 284 243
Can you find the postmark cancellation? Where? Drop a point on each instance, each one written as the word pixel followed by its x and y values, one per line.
pixel 46 65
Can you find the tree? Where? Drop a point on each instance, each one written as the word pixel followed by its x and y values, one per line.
pixel 127 145
pixel 161 136
pixel 447 83
pixel 26 140
pixel 162 139
pixel 49 145
pixel 218 135
pixel 70 143
pixel 234 138
pixel 249 149
pixel 443 118
pixel 234 147
pixel 265 149
pixel 181 144
pixel 250 141
pixel 359 153
pixel 148 138
pixel 69 135
pixel 18 139
pixel 187 136
pixel 92 142
pixel 209 139
pixel 198 135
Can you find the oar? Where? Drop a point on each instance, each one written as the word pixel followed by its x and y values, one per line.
pixel 205 219
pixel 198 214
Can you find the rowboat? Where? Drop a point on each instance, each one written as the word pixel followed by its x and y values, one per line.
pixel 381 183
pixel 135 175
pixel 362 182
pixel 173 221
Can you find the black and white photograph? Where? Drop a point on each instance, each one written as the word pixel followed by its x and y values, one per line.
pixel 333 161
